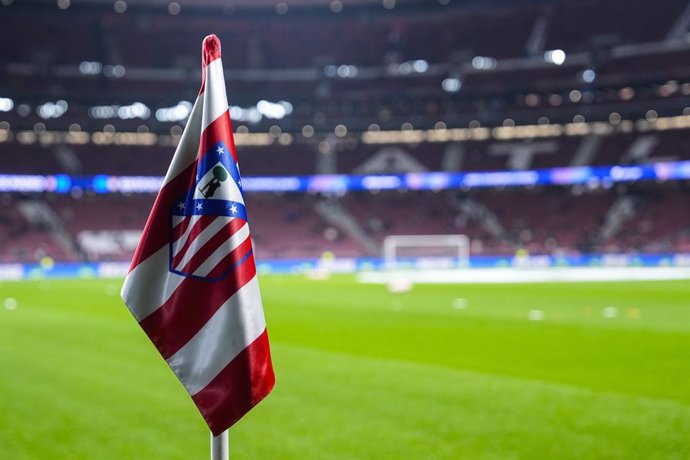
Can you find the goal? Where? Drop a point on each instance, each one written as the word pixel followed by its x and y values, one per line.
pixel 426 251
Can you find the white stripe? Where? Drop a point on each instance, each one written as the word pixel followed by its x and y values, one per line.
pixel 179 243
pixel 150 284
pixel 177 219
pixel 187 149
pixel 205 235
pixel 215 99
pixel 223 250
pixel 238 322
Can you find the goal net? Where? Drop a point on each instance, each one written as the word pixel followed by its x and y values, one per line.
pixel 426 251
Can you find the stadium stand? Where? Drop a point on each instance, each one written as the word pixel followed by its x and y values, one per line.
pixel 26 241
pixel 396 79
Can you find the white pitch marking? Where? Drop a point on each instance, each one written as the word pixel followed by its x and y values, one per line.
pixel 535 315
pixel 10 303
pixel 609 312
pixel 400 285
pixel 459 303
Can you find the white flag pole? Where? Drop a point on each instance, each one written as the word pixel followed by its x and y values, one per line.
pixel 220 446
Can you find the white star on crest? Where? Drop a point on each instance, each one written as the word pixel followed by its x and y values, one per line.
pixel 181 206
pixel 220 150
pixel 233 208
pixel 199 206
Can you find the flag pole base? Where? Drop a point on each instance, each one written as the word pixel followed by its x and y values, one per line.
pixel 220 446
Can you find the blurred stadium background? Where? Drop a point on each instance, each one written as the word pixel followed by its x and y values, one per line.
pixel 554 135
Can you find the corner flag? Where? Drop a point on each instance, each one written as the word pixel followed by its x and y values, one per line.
pixel 192 285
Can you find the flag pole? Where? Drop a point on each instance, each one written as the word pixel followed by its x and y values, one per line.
pixel 220 447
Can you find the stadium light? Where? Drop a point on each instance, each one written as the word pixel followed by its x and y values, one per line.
pixel 417 66
pixel 668 88
pixel 52 110
pixel 307 131
pixel 174 8
pixel 625 94
pixel 125 112
pixel 388 4
pixel 23 110
pixel 90 68
pixel 6 104
pixel 177 113
pixel 136 110
pixel 420 66
pixel 342 71
pixel 483 63
pixel 532 100
pixel 405 68
pixel 103 112
pixel 556 56
pixel 651 116
pixel 451 85
pixel 555 99
pixel 336 6
pixel 274 111
pixel 114 71
pixel 120 6
pixel 282 8
pixel 347 71
pixel 250 115
pixel 588 76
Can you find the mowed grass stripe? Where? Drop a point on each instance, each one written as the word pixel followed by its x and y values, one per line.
pixel 73 384
pixel 383 408
pixel 363 373
pixel 422 326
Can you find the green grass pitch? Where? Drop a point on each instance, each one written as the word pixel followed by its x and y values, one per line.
pixel 440 372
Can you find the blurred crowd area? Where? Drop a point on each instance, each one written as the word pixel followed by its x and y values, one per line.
pixel 555 220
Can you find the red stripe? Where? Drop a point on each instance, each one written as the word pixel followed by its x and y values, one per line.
pixel 210 51
pixel 231 259
pixel 156 231
pixel 233 150
pixel 220 129
pixel 198 227
pixel 211 245
pixel 180 228
pixel 190 306
pixel 241 385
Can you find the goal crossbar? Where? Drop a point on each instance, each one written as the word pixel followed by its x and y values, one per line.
pixel 392 242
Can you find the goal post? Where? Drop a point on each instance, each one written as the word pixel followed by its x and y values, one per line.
pixel 425 251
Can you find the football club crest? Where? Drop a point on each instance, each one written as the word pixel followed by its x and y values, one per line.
pixel 209 235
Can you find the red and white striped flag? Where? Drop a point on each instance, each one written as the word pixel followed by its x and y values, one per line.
pixel 192 285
